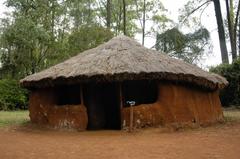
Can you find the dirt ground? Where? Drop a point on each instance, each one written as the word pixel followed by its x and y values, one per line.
pixel 215 142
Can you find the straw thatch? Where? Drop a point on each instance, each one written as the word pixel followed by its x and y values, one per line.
pixel 122 58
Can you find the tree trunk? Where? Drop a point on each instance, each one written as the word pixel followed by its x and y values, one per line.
pixel 239 37
pixel 52 19
pixel 144 20
pixel 124 18
pixel 119 20
pixel 221 32
pixel 237 25
pixel 109 14
pixel 230 18
pixel 89 20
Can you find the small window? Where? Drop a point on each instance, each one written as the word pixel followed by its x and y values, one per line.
pixel 68 95
pixel 141 92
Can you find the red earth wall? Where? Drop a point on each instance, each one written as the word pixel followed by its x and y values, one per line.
pixel 177 105
pixel 43 110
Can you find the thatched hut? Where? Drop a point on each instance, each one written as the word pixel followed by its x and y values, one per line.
pixel 92 89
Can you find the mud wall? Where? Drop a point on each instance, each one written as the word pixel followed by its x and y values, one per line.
pixel 43 110
pixel 176 104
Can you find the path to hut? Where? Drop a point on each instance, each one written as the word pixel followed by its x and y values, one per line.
pixel 217 142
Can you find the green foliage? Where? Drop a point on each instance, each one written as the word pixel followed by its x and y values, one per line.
pixel 23 44
pixel 231 94
pixel 82 12
pixel 28 37
pixel 12 96
pixel 39 34
pixel 117 16
pixel 189 47
pixel 87 37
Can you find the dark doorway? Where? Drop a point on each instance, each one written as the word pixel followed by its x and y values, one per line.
pixel 103 105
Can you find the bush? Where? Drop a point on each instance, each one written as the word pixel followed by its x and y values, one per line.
pixel 231 94
pixel 12 96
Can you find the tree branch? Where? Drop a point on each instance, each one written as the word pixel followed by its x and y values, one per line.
pixel 202 12
pixel 194 10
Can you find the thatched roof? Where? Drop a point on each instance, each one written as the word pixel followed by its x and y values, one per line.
pixel 122 58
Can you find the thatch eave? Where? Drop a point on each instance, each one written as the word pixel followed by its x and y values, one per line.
pixel 181 78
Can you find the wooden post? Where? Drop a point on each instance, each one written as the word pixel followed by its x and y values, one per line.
pixel 131 109
pixel 131 118
pixel 131 103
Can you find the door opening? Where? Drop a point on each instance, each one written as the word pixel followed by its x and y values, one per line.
pixel 103 106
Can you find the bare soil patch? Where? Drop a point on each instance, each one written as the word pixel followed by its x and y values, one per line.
pixel 23 141
pixel 215 142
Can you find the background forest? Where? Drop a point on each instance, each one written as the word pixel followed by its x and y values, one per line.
pixel 36 34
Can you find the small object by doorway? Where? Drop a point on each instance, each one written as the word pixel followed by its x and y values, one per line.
pixel 131 103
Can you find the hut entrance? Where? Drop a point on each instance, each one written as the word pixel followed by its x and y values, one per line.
pixel 103 106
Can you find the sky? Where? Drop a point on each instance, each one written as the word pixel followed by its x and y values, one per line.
pixel 208 20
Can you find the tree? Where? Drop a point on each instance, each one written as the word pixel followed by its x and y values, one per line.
pixel 200 5
pixel 31 36
pixel 232 25
pixel 124 17
pixel 87 37
pixel 153 11
pixel 144 22
pixel 188 47
pixel 37 34
pixel 221 32
pixel 118 24
pixel 25 47
pixel 82 12
pixel 109 6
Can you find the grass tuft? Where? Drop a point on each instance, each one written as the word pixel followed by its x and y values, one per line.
pixel 232 115
pixel 10 118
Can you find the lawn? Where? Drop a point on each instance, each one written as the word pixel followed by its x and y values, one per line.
pixel 8 118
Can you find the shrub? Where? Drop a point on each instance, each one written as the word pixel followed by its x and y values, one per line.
pixel 231 94
pixel 12 96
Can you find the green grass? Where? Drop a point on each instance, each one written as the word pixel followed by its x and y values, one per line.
pixel 10 118
pixel 232 115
